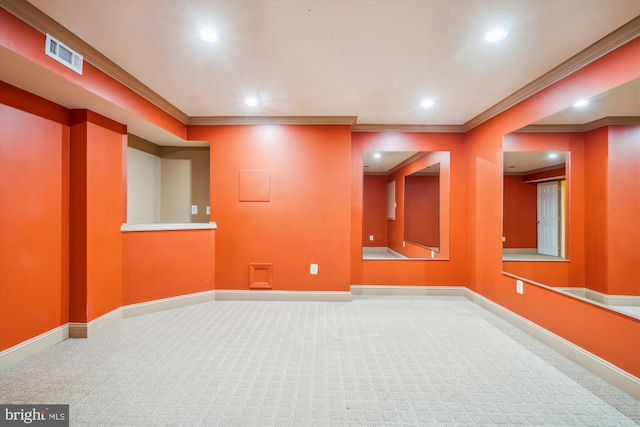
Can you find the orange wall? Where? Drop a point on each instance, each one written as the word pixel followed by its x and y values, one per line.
pixel 374 210
pixel 623 202
pixel 450 270
pixel 164 264
pixel 520 213
pixel 96 215
pixel 596 210
pixel 306 219
pixel 422 210
pixel 34 155
pixel 607 334
pixel 554 173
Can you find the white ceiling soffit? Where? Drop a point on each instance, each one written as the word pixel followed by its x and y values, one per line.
pixel 386 162
pixel 520 162
pixel 374 60
pixel 617 106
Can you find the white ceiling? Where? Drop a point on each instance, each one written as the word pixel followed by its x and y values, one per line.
pixel 385 162
pixel 372 59
pixel 622 101
pixel 520 162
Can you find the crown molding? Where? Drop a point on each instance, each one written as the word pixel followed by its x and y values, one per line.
pixel 606 121
pixel 272 120
pixel 37 19
pixel 607 44
pixel 408 128
pixel 611 121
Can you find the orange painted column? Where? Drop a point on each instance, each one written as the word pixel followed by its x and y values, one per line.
pixel 623 211
pixel 96 205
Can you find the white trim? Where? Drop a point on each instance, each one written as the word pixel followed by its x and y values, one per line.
pixel 166 226
pixel 407 290
pixel 270 295
pixel 600 367
pixel 92 328
pixel 147 307
pixel 271 120
pixel 32 346
pixel 587 295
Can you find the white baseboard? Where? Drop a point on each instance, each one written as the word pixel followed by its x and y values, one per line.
pixel 407 290
pixel 90 329
pixel 605 299
pixel 257 295
pixel 35 345
pixel 600 367
pixel 138 309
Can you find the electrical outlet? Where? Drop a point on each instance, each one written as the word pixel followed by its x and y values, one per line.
pixel 313 269
pixel 519 287
pixel 194 209
pixel 371 237
pixel 504 239
pixel 208 210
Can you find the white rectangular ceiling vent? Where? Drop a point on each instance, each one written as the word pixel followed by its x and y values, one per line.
pixel 63 54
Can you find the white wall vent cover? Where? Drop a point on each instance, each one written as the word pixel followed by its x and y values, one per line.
pixel 63 54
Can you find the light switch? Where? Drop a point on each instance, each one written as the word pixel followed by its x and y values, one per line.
pixel 313 269
pixel 194 209
pixel 208 210
pixel 371 237
pixel 519 287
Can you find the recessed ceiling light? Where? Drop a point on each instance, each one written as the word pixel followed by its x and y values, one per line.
pixel 252 101
pixel 426 103
pixel 581 103
pixel 377 155
pixel 552 155
pixel 208 34
pixel 496 34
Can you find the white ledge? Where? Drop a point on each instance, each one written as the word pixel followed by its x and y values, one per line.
pixel 167 226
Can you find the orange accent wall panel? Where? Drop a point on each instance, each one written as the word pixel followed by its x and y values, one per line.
pixel 596 232
pixel 623 202
pixel 374 211
pixel 422 210
pixel 254 186
pixel 520 213
pixel 260 276
pixel 33 221
pixel 164 264
pixel 96 216
pixel 307 220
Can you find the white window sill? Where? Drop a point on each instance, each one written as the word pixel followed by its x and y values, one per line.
pixel 167 226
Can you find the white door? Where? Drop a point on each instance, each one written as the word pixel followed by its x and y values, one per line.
pixel 548 218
